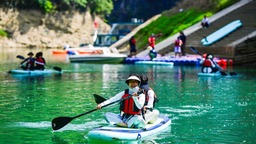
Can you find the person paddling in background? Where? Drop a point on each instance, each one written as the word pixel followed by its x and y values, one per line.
pixel 28 63
pixel 209 65
pixel 150 114
pixel 130 108
pixel 40 61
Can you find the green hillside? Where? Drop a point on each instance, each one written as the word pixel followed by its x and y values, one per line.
pixel 174 20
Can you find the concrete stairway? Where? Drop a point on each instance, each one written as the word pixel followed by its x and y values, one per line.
pixel 243 10
pixel 246 14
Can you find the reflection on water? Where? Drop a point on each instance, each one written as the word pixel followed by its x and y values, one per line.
pixel 203 110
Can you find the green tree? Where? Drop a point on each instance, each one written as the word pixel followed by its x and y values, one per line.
pixel 98 7
pixel 101 7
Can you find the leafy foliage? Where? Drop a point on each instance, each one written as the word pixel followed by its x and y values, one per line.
pixel 99 7
pixel 46 5
pixel 3 33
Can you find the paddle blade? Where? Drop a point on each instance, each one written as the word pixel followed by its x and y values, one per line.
pixel 223 73
pixel 57 69
pixel 233 73
pixel 60 122
pixel 98 99
pixel 20 57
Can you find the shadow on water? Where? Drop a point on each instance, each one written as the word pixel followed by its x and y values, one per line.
pixel 203 110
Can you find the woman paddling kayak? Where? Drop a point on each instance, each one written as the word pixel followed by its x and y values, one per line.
pixel 130 108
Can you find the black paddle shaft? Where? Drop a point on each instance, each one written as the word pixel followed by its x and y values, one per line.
pixel 60 122
pixel 195 51
pixel 55 68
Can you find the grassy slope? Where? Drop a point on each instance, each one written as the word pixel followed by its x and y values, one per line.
pixel 173 21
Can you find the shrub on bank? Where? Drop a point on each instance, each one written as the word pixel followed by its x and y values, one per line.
pixel 3 33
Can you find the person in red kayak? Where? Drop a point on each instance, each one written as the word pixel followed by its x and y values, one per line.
pixel 40 61
pixel 131 107
pixel 209 65
pixel 28 63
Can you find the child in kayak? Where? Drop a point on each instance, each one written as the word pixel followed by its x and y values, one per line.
pixel 28 63
pixel 40 61
pixel 150 114
pixel 130 107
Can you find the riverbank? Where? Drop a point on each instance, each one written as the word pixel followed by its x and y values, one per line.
pixel 31 28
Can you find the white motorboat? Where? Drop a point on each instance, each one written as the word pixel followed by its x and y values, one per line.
pixel 99 55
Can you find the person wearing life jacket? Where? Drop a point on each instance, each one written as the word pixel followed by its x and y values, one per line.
pixel 130 107
pixel 177 47
pixel 150 114
pixel 209 65
pixel 40 61
pixel 152 41
pixel 28 63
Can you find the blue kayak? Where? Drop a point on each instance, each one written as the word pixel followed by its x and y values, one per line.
pixel 209 74
pixel 155 63
pixel 34 72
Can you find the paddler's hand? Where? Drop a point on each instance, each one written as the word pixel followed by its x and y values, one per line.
pixel 98 106
pixel 138 93
pixel 135 94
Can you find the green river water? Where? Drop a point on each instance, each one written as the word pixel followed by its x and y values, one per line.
pixel 204 110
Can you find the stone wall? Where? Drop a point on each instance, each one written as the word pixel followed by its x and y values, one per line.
pixel 34 29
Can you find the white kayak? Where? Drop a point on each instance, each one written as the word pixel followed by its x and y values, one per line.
pixel 34 72
pixel 154 63
pixel 108 133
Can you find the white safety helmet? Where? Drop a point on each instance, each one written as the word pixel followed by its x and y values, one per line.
pixel 133 77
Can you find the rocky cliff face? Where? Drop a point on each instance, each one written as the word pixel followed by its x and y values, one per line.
pixel 34 29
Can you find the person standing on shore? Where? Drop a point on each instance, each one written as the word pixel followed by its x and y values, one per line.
pixel 133 50
pixel 152 41
pixel 205 22
pixel 183 46
pixel 177 47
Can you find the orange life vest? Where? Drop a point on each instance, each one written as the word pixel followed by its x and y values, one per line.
pixel 41 60
pixel 128 106
pixel 207 63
